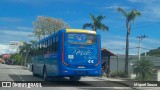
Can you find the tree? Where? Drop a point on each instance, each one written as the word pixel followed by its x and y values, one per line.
pixel 24 51
pixel 22 57
pixel 17 58
pixel 130 16
pixel 144 69
pixel 96 23
pixel 44 26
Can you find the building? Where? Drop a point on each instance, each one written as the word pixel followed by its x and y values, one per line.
pixel 118 64
pixel 5 57
pixel 106 55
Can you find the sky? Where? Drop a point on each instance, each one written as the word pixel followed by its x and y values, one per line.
pixel 16 17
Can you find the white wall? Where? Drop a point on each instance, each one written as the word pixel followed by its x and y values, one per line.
pixel 158 75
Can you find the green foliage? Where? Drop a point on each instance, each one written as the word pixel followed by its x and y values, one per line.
pixel 96 23
pixel 130 16
pixel 24 52
pixel 144 70
pixel 154 52
pixel 44 26
pixel 22 57
pixel 17 58
pixel 117 74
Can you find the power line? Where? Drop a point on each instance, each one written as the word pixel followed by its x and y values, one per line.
pixel 133 48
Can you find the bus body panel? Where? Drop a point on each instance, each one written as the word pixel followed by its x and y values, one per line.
pixel 69 59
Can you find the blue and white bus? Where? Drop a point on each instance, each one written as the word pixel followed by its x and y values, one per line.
pixel 67 53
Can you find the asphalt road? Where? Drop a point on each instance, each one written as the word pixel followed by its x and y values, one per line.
pixel 19 73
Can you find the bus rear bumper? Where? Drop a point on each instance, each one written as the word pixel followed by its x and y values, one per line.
pixel 80 72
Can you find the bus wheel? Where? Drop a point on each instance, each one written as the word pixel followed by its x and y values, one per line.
pixel 75 78
pixel 45 77
pixel 34 74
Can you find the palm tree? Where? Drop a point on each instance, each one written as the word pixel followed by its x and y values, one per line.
pixel 144 69
pixel 96 23
pixel 130 16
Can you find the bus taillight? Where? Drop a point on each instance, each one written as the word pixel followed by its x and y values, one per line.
pixel 63 51
pixel 99 51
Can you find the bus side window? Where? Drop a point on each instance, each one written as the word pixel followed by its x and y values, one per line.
pixel 42 48
pixel 53 44
pixel 50 47
pixel 38 51
pixel 56 44
pixel 45 47
pixel 34 53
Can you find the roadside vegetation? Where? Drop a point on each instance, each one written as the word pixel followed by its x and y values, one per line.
pixel 154 52
pixel 144 70
pixel 44 26
pixel 130 17
pixel 120 74
pixel 96 23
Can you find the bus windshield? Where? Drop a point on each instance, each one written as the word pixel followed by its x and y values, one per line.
pixel 81 38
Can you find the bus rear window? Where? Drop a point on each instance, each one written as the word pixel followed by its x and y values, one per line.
pixel 81 38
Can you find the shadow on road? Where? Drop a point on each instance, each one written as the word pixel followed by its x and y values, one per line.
pixel 53 82
pixel 24 77
pixel 63 82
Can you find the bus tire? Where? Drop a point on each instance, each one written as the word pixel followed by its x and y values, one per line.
pixel 34 74
pixel 75 78
pixel 45 77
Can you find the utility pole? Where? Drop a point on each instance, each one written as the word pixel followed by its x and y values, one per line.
pixel 140 38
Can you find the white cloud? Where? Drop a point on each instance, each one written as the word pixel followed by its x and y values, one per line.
pixel 114 7
pixel 155 41
pixel 150 9
pixel 141 1
pixel 4 49
pixel 11 35
pixel 117 44
pixel 10 19
pixel 2 46
pixel 40 2
pixel 27 1
pixel 15 33
pixel 24 28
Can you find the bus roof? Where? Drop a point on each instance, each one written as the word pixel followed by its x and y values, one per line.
pixel 80 31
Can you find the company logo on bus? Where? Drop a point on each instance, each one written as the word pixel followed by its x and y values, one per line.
pixel 82 52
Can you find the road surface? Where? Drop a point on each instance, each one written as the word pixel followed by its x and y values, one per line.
pixel 19 73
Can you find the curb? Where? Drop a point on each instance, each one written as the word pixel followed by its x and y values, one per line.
pixel 124 84
pixel 119 83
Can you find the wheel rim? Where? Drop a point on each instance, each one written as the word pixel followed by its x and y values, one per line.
pixel 44 75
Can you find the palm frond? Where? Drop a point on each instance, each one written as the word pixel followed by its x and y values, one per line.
pixel 144 69
pixel 133 14
pixel 96 23
pixel 103 27
pixel 87 25
pixel 100 18
pixel 122 11
pixel 92 17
